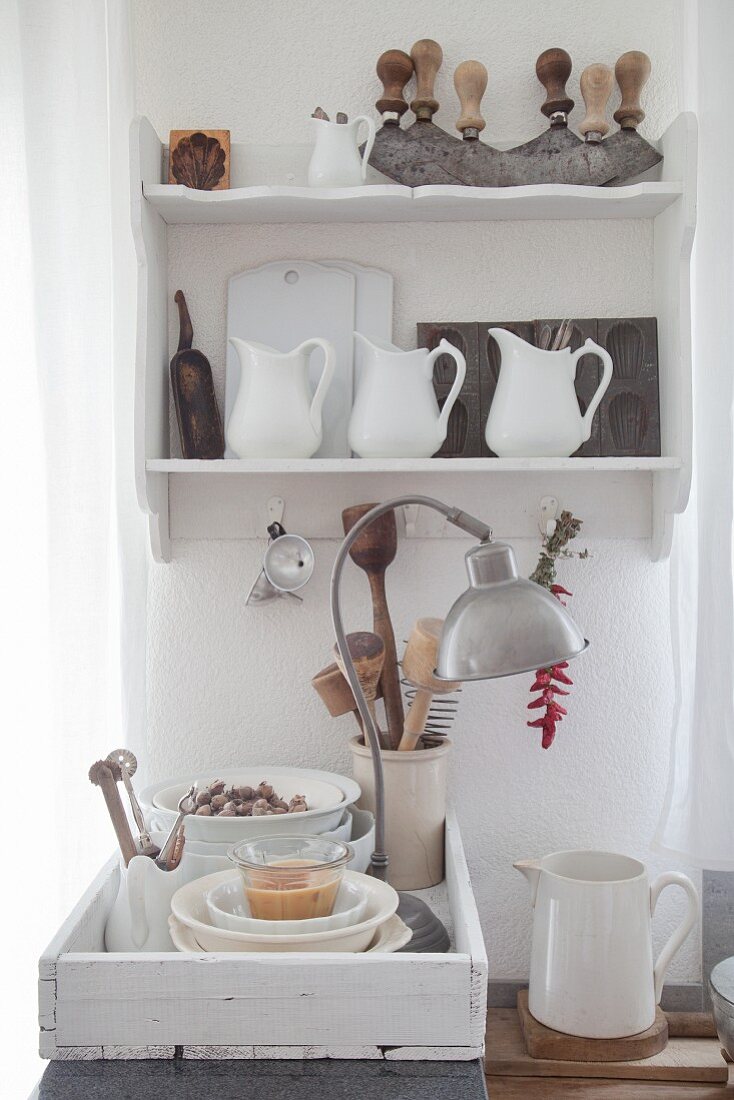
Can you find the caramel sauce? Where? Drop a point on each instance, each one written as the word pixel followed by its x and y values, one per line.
pixel 311 893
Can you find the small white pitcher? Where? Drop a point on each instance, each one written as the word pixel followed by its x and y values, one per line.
pixel 336 161
pixel 395 413
pixel 591 968
pixel 535 412
pixel 274 414
pixel 138 920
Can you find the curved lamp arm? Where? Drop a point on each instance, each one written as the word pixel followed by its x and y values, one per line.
pixel 460 519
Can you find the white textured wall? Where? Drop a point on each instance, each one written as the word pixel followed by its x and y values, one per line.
pixel 228 684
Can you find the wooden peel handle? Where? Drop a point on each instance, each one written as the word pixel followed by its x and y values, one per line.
pixel 427 56
pixel 553 69
pixel 186 329
pixel 470 81
pixel 597 82
pixel 394 68
pixel 632 70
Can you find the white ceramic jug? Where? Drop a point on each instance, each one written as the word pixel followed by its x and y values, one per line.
pixel 395 413
pixel 138 920
pixel 336 160
pixel 591 968
pixel 274 414
pixel 535 412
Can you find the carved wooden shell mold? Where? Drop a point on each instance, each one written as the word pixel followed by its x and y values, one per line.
pixel 199 159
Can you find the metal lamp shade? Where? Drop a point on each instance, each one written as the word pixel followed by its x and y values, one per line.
pixel 503 625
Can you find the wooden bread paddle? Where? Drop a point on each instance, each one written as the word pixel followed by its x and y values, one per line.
pixel 199 422
pixel 419 664
pixel 373 552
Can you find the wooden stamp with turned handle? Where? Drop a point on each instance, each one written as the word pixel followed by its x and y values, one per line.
pixel 373 552
pixel 419 664
pixel 597 82
pixel 336 694
pixel 627 150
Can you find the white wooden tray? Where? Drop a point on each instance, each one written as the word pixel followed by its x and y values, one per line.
pixel 94 1004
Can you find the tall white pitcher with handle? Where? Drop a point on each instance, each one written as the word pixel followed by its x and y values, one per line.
pixel 591 970
pixel 535 412
pixel 275 415
pixel 395 412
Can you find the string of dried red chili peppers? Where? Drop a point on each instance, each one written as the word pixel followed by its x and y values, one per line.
pixel 547 680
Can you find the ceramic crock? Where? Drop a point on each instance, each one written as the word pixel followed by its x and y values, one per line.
pixel 415 810
pixel 591 970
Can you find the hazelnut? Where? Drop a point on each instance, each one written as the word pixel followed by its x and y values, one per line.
pixel 219 801
pixel 279 804
pixel 204 811
pixel 216 786
pixel 227 812
pixel 297 807
pixel 246 808
pixel 260 808
pixel 230 806
pixel 279 810
pixel 265 790
pixel 203 798
pixel 246 794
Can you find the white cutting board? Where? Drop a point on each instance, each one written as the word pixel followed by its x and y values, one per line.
pixel 284 303
pixel 373 313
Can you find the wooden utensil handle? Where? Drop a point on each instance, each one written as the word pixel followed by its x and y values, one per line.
pixel 415 720
pixel 104 778
pixel 394 68
pixel 632 70
pixel 390 677
pixel 185 329
pixel 427 56
pixel 597 82
pixel 470 81
pixel 553 69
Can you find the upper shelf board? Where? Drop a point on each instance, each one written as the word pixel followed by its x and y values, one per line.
pixel 393 203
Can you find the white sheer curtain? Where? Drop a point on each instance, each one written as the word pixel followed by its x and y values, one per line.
pixel 697 823
pixel 73 650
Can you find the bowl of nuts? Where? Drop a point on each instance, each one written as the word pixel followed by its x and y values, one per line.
pixel 251 802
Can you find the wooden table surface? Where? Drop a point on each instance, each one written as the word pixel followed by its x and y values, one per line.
pixel 576 1088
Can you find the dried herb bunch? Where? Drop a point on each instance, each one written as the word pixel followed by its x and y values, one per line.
pixel 548 681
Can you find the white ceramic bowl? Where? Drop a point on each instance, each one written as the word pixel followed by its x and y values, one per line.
pixel 356 828
pixel 228 908
pixel 189 907
pixel 327 795
pixel 390 936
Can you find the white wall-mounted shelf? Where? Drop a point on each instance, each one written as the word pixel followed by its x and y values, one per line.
pixel 636 497
pixel 486 466
pixel 179 205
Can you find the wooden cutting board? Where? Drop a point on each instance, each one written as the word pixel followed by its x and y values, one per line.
pixel 684 1059
pixel 544 1042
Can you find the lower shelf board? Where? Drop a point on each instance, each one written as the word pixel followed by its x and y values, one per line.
pixel 406 465
pixel 683 1059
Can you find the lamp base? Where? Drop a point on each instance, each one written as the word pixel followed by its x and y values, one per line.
pixel 429 933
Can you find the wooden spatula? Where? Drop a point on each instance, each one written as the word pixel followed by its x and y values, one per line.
pixel 419 664
pixel 373 552
pixel 367 651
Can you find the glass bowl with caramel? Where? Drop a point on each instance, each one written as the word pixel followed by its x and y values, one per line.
pixel 290 877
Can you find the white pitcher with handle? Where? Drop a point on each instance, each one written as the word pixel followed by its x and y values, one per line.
pixel 395 412
pixel 591 969
pixel 336 160
pixel 275 415
pixel 535 412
